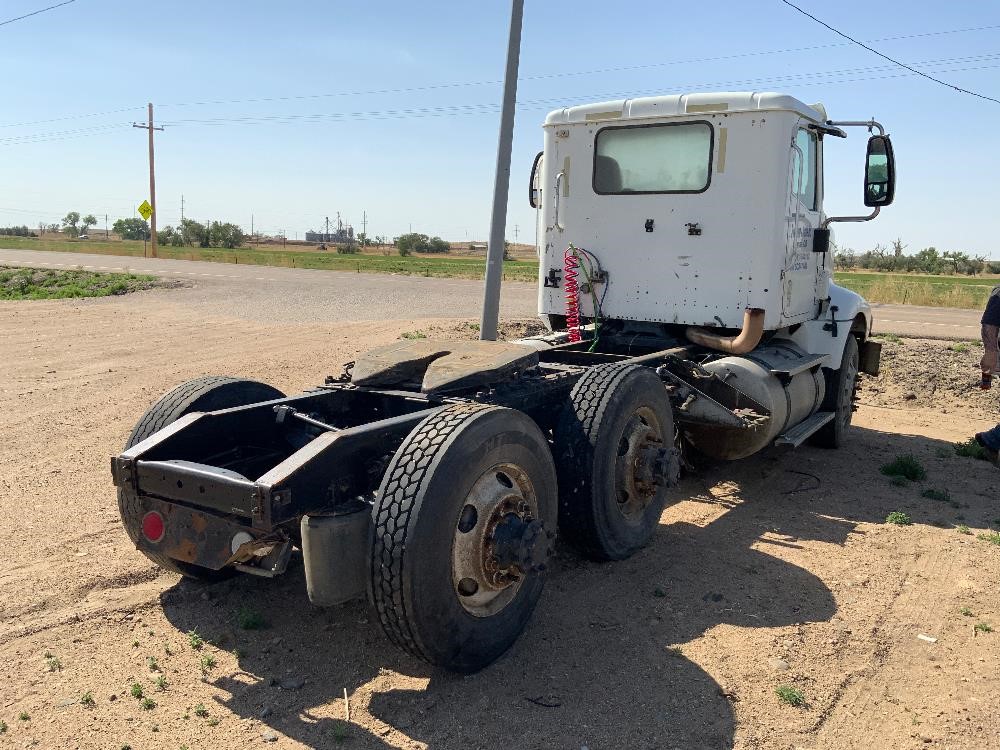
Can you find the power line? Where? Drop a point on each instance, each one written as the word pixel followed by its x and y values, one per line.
pixel 457 109
pixel 538 77
pixel 886 57
pixel 846 75
pixel 568 74
pixel 36 12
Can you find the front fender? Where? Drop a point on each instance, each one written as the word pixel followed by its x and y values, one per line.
pixel 853 316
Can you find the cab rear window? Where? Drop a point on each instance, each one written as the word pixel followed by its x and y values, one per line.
pixel 664 158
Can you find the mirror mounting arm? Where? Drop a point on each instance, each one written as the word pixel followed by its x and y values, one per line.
pixel 830 219
pixel 870 124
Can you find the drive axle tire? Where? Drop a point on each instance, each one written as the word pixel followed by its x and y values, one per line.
pixel 463 523
pixel 841 388
pixel 616 460
pixel 203 394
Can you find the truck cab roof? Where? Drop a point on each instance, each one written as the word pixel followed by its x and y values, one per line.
pixel 686 104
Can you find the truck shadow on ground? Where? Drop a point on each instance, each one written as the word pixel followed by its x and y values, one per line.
pixel 599 665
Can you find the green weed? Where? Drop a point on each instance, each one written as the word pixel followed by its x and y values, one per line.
pixel 152 664
pixel 899 518
pixel 960 347
pixel 23 716
pixel 413 335
pixel 940 495
pixel 971 449
pixel 136 690
pixel 791 695
pixel 87 699
pixel 195 641
pixel 905 466
pixel 891 337
pixel 200 710
pixel 54 664
pixel 983 627
pixel 962 529
pixel 249 619
pixel 161 682
pixel 207 662
pixel 898 481
pixel 992 537
pixel 965 612
pixel 3 727
pixel 148 704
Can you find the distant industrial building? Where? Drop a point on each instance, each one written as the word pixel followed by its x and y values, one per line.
pixel 340 235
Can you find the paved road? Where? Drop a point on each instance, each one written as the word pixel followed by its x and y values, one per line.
pixel 298 295
pixel 302 295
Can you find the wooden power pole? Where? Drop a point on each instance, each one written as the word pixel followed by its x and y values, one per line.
pixel 152 176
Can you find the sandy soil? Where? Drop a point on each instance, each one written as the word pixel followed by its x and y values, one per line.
pixel 777 570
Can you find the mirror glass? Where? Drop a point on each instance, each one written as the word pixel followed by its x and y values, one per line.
pixel 879 172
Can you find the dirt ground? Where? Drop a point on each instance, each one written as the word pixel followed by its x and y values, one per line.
pixel 778 570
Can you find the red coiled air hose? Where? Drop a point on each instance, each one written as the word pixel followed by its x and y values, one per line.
pixel 571 262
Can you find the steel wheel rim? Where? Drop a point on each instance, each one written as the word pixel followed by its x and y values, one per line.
pixel 639 447
pixel 504 493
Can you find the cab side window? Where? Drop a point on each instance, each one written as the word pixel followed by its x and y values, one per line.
pixel 806 189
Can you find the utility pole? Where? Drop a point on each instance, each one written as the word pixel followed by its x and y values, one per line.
pixel 516 228
pixel 152 176
pixel 489 322
pixel 182 209
pixel 364 223
pixel 251 227
pixel 326 236
pixel 105 226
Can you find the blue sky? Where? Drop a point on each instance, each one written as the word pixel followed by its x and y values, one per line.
pixel 293 111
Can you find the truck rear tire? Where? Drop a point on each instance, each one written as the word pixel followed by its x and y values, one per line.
pixel 616 459
pixel 202 394
pixel 463 523
pixel 841 388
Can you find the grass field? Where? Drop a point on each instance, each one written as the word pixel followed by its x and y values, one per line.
pixel 414 265
pixel 968 292
pixel 32 283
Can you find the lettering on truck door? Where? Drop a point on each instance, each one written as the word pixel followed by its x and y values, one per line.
pixel 802 217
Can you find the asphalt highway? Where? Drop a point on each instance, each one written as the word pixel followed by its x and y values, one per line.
pixel 297 295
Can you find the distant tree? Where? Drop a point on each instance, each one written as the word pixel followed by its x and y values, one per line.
pixel 21 231
pixel 413 242
pixel 225 235
pixel 52 228
pixel 437 245
pixel 898 247
pixel 131 229
pixel 192 232
pixel 845 258
pixel 70 222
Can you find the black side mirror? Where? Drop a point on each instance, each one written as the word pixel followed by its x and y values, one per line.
pixel 880 172
pixel 534 192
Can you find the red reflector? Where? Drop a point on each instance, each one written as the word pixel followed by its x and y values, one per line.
pixel 152 526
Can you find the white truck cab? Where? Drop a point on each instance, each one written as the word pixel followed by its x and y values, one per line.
pixel 698 206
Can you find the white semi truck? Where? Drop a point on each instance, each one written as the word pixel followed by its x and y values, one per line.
pixel 685 277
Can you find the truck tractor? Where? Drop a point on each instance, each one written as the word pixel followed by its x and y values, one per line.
pixel 685 282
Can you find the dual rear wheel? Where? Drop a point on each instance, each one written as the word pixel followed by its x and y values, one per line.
pixel 467 510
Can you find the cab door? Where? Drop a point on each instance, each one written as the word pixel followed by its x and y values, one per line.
pixel 802 216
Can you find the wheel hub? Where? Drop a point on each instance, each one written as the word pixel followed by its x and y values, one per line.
pixel 643 464
pixel 498 540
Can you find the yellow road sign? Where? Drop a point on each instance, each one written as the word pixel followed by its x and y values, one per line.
pixel 146 210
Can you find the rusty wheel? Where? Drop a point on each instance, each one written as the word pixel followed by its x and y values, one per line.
pixel 463 526
pixel 616 460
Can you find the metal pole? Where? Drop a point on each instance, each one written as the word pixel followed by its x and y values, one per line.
pixel 152 186
pixel 498 221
